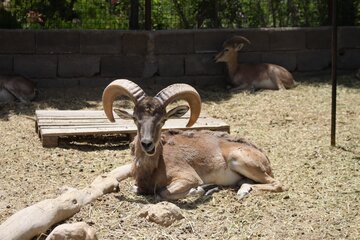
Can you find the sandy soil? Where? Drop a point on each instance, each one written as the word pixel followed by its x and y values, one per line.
pixel 293 127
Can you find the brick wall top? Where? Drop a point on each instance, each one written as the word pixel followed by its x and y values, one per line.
pixel 349 37
pixel 101 41
pixel 115 42
pixel 173 54
pixel 17 41
pixel 135 42
pixel 170 42
pixel 210 40
pixel 318 38
pixel 287 38
pixel 58 41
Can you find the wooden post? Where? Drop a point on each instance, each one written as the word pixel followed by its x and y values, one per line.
pixel 134 15
pixel 148 22
pixel 333 72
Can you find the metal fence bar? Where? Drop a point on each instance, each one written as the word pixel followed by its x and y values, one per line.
pixel 333 72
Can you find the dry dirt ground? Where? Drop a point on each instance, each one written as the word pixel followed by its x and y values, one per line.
pixel 293 127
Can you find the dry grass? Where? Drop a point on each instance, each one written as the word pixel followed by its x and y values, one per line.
pixel 322 202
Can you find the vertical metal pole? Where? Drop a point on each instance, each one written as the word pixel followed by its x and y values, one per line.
pixel 333 71
pixel 148 15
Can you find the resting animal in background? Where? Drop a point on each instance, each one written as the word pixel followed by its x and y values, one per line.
pixel 252 76
pixel 176 164
pixel 17 88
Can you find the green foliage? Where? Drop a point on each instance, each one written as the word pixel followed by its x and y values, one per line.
pixel 102 14
pixel 176 14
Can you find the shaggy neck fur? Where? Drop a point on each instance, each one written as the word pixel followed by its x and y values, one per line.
pixel 145 167
pixel 232 65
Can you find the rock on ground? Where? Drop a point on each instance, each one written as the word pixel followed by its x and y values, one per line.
pixel 163 213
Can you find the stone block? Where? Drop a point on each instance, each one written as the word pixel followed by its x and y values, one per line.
pixel 147 84
pixel 58 41
pixel 349 37
pixel 17 41
pixel 313 60
pixel 49 83
pixel 210 40
pixel 6 64
pixel 349 59
pixel 122 66
pixel 171 65
pixel 37 66
pixel 318 38
pixel 78 65
pixel 249 57
pixel 101 41
pixel 135 43
pixel 284 59
pixel 202 64
pixel 287 39
pixel 170 42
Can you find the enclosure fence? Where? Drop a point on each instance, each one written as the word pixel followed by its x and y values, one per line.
pixel 173 14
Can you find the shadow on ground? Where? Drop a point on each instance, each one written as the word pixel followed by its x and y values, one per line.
pixel 82 98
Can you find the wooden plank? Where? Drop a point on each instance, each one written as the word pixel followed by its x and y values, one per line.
pixel 52 124
pixel 84 113
pixel 43 122
pixel 101 131
pixel 84 122
pixel 129 127
pixel 55 112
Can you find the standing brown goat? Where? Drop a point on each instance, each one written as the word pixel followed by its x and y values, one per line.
pixel 17 88
pixel 252 76
pixel 175 164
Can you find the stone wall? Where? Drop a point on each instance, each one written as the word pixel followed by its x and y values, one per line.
pixel 66 58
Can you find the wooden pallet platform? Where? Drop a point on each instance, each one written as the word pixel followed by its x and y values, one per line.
pixel 54 124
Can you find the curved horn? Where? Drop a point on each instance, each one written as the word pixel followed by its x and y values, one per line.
pixel 117 88
pixel 237 40
pixel 182 92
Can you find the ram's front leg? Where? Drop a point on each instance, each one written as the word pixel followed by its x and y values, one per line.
pixel 181 188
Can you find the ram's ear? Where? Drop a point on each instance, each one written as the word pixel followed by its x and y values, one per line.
pixel 123 114
pixel 177 112
pixel 239 46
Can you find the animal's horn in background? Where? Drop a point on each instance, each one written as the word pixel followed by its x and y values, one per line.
pixel 237 40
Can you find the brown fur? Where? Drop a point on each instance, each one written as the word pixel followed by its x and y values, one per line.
pixel 17 88
pixel 188 156
pixel 175 164
pixel 252 76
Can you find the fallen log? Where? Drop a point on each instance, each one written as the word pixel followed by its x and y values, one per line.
pixel 38 218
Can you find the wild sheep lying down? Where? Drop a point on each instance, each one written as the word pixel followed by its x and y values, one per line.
pixel 252 77
pixel 176 164
pixel 14 88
